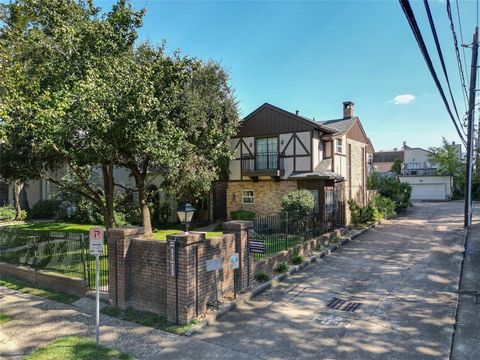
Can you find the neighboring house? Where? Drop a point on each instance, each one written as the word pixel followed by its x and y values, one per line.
pixel 383 160
pixel 418 171
pixel 277 152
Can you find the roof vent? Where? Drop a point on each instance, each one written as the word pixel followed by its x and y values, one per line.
pixel 296 112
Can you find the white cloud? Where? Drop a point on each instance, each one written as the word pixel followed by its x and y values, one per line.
pixel 403 99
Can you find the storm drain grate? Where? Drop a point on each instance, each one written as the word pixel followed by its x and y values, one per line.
pixel 339 304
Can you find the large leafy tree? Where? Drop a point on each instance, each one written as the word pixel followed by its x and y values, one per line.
pixel 448 162
pixel 51 52
pixel 89 101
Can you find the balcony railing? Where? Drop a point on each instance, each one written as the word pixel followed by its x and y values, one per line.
pixel 419 172
pixel 267 164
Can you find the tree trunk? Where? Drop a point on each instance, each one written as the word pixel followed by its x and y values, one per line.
pixel 17 188
pixel 143 201
pixel 108 187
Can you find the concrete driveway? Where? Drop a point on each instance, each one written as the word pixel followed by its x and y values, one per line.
pixel 404 273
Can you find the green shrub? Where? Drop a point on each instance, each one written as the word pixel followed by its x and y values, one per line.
pixel 7 213
pixel 281 267
pixel 262 276
pixel 300 201
pixel 393 189
pixel 363 215
pixel 242 215
pixel 127 210
pixel 296 259
pixel 79 210
pixel 45 209
pixel 385 205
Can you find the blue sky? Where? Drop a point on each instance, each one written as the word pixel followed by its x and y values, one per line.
pixel 311 56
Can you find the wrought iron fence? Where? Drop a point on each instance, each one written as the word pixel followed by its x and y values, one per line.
pixel 287 229
pixel 61 252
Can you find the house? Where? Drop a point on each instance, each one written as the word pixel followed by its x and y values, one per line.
pixel 277 151
pixel 418 171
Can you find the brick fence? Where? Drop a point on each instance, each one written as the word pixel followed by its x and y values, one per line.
pixel 45 279
pixel 171 278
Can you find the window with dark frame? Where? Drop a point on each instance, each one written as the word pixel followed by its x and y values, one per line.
pixel 266 153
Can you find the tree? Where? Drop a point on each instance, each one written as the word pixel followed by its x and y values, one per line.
pixel 397 166
pixel 448 162
pixel 50 53
pixel 300 201
pixel 176 122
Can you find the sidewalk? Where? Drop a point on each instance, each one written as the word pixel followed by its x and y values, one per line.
pixel 38 321
pixel 466 343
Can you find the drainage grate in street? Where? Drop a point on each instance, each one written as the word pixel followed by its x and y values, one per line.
pixel 339 304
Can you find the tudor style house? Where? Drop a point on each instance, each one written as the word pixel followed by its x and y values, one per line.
pixel 277 152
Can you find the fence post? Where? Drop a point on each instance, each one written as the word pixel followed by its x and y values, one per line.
pixel 83 257
pixel 286 230
pixel 35 260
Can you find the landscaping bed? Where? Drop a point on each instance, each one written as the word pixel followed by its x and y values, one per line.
pixel 4 318
pixel 146 318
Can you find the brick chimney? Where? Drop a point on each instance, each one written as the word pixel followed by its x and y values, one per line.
pixel 348 109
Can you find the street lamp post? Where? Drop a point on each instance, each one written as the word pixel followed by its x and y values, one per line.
pixel 185 214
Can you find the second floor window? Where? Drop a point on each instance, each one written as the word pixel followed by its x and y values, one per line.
pixel 266 153
pixel 339 146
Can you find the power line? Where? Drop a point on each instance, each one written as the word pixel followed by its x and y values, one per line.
pixel 457 52
pixel 440 55
pixel 407 9
pixel 461 38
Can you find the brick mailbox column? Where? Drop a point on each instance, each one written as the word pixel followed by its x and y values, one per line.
pixel 185 290
pixel 239 229
pixel 119 263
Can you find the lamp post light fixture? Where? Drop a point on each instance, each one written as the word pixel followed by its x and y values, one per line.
pixel 185 214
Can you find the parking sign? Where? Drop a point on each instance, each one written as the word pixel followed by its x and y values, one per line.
pixel 96 236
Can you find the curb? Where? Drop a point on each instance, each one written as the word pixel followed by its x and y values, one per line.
pixel 274 282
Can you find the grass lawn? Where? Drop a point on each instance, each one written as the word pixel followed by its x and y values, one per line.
pixel 162 234
pixel 54 226
pixel 4 318
pixel 146 318
pixel 31 289
pixel 75 348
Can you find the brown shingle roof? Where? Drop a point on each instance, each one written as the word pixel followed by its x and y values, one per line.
pixel 387 156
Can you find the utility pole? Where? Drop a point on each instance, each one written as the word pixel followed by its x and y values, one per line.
pixel 470 131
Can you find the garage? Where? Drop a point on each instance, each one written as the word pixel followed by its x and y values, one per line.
pixel 429 187
pixel 428 192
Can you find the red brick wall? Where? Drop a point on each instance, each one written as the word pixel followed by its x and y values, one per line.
pixel 45 279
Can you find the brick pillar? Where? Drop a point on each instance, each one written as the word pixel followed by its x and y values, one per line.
pixel 119 263
pixel 182 275
pixel 239 229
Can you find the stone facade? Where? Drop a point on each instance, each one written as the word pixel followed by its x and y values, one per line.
pixel 268 196
pixel 357 182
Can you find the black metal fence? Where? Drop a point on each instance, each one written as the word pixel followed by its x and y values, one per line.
pixel 280 232
pixel 61 252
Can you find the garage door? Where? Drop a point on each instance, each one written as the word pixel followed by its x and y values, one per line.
pixel 429 192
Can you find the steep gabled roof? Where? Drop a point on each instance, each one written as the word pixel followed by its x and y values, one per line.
pixel 270 119
pixel 340 125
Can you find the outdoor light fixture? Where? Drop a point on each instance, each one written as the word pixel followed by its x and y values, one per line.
pixel 185 214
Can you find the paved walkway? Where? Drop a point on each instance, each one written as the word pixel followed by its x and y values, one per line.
pixel 37 321
pixel 404 273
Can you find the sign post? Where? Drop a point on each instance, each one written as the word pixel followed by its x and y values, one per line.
pixel 96 237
